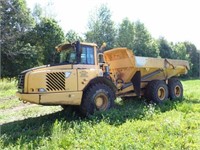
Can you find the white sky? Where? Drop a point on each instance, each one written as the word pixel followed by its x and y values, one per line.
pixel 176 20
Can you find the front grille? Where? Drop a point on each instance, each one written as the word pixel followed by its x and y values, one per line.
pixel 20 84
pixel 55 81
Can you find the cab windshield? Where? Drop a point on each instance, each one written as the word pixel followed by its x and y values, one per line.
pixel 68 56
pixel 84 55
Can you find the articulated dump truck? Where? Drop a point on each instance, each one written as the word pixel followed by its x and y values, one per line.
pixel 87 78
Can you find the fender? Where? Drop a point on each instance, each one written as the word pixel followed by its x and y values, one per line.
pixel 104 80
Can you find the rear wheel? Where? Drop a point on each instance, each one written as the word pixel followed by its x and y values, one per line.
pixel 175 89
pixel 98 97
pixel 157 91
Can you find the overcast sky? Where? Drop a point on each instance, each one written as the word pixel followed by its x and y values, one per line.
pixel 176 20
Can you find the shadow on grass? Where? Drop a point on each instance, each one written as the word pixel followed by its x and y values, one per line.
pixel 28 130
pixel 35 129
pixel 134 109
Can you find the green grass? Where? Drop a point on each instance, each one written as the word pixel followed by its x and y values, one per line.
pixel 7 87
pixel 132 124
pixel 9 103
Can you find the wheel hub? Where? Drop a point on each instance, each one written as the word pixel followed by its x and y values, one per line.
pixel 101 101
pixel 161 93
pixel 177 91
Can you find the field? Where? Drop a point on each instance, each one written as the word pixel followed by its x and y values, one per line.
pixel 132 124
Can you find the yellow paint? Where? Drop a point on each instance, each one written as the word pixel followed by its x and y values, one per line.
pixel 123 66
pixel 33 98
pixel 85 76
pixel 71 98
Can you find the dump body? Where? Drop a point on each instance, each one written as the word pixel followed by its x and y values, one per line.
pixel 124 65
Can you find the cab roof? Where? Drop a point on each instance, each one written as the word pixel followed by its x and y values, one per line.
pixel 63 46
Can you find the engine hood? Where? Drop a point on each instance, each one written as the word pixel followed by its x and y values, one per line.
pixel 35 68
pixel 49 67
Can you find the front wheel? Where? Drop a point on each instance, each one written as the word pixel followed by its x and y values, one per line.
pixel 98 97
pixel 70 109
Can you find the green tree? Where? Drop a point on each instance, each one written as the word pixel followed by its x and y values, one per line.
pixel 126 33
pixel 16 21
pixel 194 57
pixel 37 13
pixel 180 51
pixel 47 34
pixel 101 28
pixel 144 44
pixel 23 58
pixel 165 48
pixel 72 36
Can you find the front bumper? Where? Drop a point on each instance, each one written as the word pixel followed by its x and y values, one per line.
pixel 64 98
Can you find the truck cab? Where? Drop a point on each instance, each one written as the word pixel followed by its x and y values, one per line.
pixel 67 82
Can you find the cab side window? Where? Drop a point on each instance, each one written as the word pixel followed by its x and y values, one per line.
pixel 87 55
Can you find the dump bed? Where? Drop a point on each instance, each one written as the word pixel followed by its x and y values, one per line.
pixel 123 66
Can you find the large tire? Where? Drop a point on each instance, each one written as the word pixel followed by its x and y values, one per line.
pixel 157 91
pixel 175 89
pixel 70 109
pixel 97 97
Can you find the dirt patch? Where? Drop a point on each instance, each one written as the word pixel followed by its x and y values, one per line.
pixel 7 98
pixel 17 108
pixel 11 112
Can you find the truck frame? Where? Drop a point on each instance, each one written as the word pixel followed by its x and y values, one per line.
pixel 91 79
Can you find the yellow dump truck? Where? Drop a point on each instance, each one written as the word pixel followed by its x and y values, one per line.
pixel 87 78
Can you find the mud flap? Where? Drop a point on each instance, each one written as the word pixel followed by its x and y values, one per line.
pixel 136 81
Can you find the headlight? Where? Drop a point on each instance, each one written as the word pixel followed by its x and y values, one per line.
pixel 67 74
pixel 41 90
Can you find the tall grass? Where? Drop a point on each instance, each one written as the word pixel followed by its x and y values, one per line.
pixel 192 90
pixel 8 84
pixel 132 124
pixel 7 87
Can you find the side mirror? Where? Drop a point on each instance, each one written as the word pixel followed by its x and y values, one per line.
pixel 102 48
pixel 100 58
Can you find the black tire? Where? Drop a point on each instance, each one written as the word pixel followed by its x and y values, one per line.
pixel 175 89
pixel 97 97
pixel 157 91
pixel 70 109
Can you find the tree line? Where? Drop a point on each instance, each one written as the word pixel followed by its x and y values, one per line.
pixel 28 39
